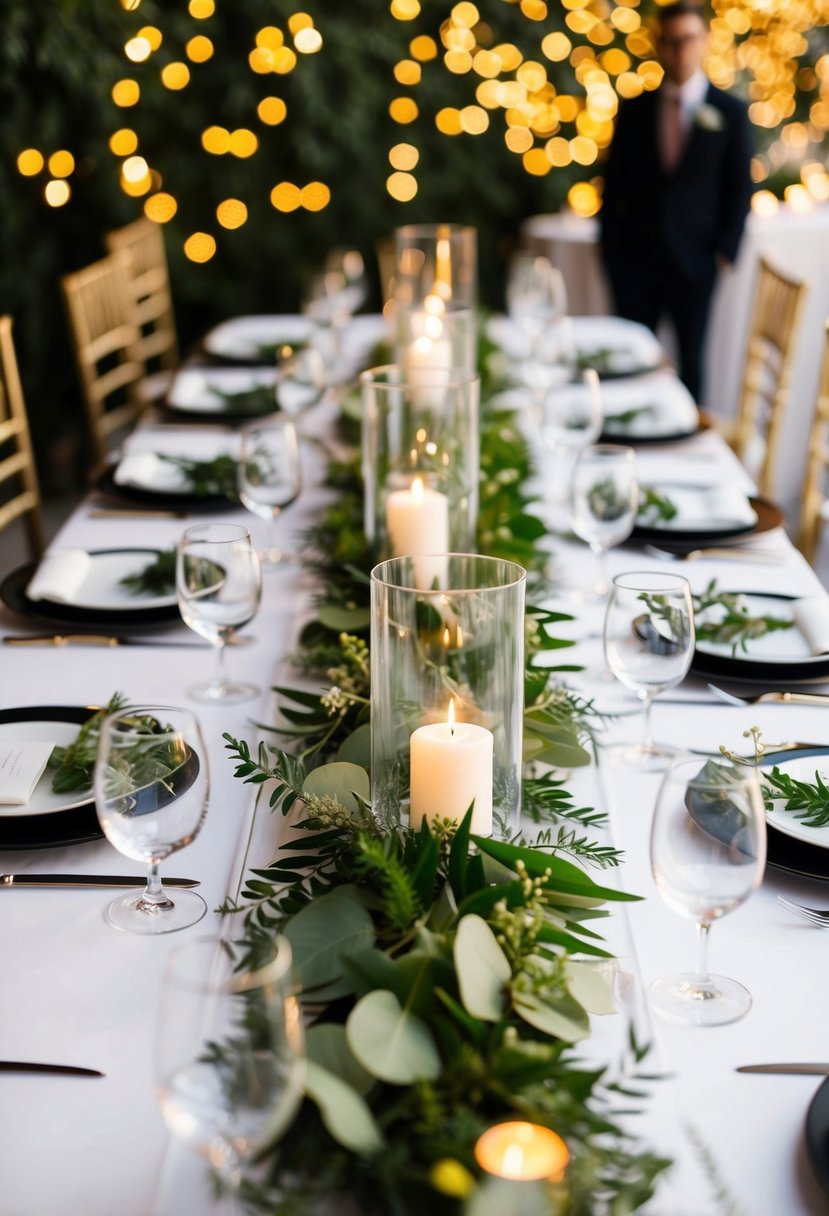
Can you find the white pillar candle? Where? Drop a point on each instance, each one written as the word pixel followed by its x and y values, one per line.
pixel 417 521
pixel 450 766
pixel 427 365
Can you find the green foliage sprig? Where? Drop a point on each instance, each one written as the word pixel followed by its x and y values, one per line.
pixel 257 400
pixel 654 505
pixel 156 578
pixel 75 762
pixel 733 624
pixel 207 478
pixel 808 802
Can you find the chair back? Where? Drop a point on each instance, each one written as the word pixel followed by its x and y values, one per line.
pixel 814 501
pixel 19 491
pixel 106 341
pixel 149 284
pixel 764 394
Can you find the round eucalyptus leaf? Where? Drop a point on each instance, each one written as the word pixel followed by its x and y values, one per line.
pixel 327 1046
pixel 391 1043
pixel 483 969
pixel 321 933
pixel 564 1020
pixel 356 749
pixel 343 620
pixel 344 1112
pixel 590 985
pixel 340 781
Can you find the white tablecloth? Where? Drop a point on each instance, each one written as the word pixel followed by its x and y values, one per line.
pixel 76 991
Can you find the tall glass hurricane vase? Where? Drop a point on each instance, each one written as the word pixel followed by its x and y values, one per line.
pixel 436 260
pixel 447 691
pixel 420 426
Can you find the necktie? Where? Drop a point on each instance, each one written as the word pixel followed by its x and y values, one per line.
pixel 673 135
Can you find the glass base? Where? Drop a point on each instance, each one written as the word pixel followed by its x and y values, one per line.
pixel 131 914
pixel 223 693
pixel 683 998
pixel 653 758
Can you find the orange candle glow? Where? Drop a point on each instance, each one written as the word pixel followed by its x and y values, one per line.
pixel 522 1152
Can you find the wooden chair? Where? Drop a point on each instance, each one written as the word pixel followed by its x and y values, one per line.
pixel 815 502
pixel 17 464
pixel 106 340
pixel 149 282
pixel 764 393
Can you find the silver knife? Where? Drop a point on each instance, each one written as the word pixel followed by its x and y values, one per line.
pixel 95 639
pixel 69 1069
pixel 800 1070
pixel 89 880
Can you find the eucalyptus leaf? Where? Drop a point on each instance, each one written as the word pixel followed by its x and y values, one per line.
pixel 321 934
pixel 343 620
pixel 390 1042
pixel 356 749
pixel 483 969
pixel 590 986
pixel 340 781
pixel 326 1045
pixel 565 1019
pixel 346 1115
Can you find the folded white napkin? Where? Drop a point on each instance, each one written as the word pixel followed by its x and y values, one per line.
pixel 21 767
pixel 811 616
pixel 665 402
pixel 59 576
pixel 147 471
pixel 706 507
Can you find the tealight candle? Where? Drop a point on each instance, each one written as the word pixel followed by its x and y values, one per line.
pixel 417 521
pixel 450 768
pixel 522 1152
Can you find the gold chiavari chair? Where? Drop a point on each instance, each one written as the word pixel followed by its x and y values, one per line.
pixel 815 503
pixel 106 340
pixel 149 282
pixel 17 464
pixel 778 304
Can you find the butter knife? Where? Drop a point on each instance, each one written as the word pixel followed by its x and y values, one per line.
pixel 89 880
pixel 800 1070
pixel 69 1069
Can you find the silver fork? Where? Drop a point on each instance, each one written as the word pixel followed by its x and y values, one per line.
pixel 815 916
pixel 749 555
pixel 782 698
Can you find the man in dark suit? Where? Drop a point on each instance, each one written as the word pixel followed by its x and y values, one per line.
pixel 677 191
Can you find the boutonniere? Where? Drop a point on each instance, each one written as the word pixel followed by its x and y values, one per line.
pixel 709 118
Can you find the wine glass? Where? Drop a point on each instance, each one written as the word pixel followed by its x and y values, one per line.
pixel 648 645
pixel 230 1052
pixel 708 851
pixel 346 271
pixel 151 788
pixel 269 477
pixel 219 585
pixel 571 419
pixel 604 498
pixel 301 378
pixel 535 293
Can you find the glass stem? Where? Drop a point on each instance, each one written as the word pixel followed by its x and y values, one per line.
pixel 702 976
pixel 647 729
pixel 154 898
pixel 220 663
pixel 602 586
pixel 273 554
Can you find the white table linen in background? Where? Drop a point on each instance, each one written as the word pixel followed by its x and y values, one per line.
pixel 77 991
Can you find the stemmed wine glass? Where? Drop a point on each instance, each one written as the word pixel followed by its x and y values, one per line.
pixel 536 293
pixel 708 851
pixel 604 498
pixel 230 1053
pixel 219 585
pixel 301 378
pixel 571 420
pixel 648 645
pixel 151 789
pixel 269 477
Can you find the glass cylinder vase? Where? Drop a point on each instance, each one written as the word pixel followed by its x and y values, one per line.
pixel 447 692
pixel 434 333
pixel 420 459
pixel 436 260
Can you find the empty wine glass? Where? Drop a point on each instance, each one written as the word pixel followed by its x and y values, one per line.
pixel 571 419
pixel 301 378
pixel 604 497
pixel 219 584
pixel 648 645
pixel 536 293
pixel 345 272
pixel 708 851
pixel 230 1056
pixel 151 790
pixel 269 477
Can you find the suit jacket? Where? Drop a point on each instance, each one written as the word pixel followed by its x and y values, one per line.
pixel 691 214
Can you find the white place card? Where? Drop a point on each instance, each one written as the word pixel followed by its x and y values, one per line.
pixel 21 767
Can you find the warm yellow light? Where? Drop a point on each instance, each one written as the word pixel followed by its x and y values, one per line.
pixel 315 196
pixel 270 38
pixel 308 41
pixel 798 199
pixel 488 93
pixel 29 162
pixel 403 109
pixel 175 76
pixel 199 49
pixel 138 49
pixel 135 169
pixel 556 46
pixel 534 10
pixel 557 151
pixel 568 107
pixel 626 20
pixel 123 142
pixel 232 213
pixel 199 247
pixel 583 150
pixel 57 193
pixel 401 186
pixel 216 140
pixel 423 48
pixel 272 111
pixel 532 76
pixel 615 61
pixel 465 14
pixel 818 185
pixel 458 62
pixel 474 120
pixel 135 189
pixel 61 163
pixel 284 60
pixel 152 35
pixel 261 60
pixel 536 162
pixel 403 156
pixel 126 93
pixel 487 64
pixel 160 208
pixel 448 121
pixel 286 196
pixel 629 85
pixel 763 202
pixel 407 71
pixel 518 139
pixel 300 21
pixel 243 143
pixel 201 9
pixel 404 10
pixel 584 199
pixel 524 1152
pixel 509 55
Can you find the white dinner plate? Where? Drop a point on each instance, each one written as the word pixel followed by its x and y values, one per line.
pixel 621 347
pixel 44 801
pixel 783 647
pixel 701 508
pixel 801 768
pixel 199 389
pixel 654 408
pixel 243 339
pixel 101 589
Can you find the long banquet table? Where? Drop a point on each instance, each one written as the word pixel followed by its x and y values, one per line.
pixel 76 991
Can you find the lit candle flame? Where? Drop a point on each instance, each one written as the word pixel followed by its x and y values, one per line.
pixel 512 1165
pixel 417 489
pixel 451 717
pixel 459 638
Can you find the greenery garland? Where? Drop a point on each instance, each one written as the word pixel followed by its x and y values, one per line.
pixel 439 970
